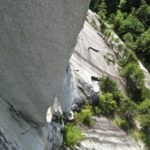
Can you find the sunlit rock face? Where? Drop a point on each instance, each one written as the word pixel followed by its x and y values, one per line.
pixel 36 40
pixel 89 61
pixel 93 57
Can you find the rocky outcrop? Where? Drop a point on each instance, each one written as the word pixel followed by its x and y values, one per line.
pixel 92 59
pixel 36 41
pixel 94 56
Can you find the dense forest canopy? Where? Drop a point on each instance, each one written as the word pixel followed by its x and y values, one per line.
pixel 131 21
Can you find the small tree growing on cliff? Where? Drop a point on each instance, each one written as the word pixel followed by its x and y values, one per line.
pixel 107 104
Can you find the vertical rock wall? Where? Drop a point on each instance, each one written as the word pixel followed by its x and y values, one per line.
pixel 36 39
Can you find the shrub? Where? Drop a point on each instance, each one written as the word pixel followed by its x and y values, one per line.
pixel 145 121
pixel 85 116
pixel 131 24
pixel 119 97
pixel 135 81
pixel 134 135
pixel 122 123
pixel 107 104
pixel 88 121
pixel 127 110
pixel 129 41
pixel 142 50
pixel 96 110
pixel 72 135
pixel 145 138
pixel 130 57
pixel 144 107
pixel 126 107
pixel 117 19
pixel 107 85
pixel 102 10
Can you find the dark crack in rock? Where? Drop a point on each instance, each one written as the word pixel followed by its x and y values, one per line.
pixel 5 144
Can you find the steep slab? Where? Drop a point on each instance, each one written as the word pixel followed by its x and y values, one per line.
pixel 36 42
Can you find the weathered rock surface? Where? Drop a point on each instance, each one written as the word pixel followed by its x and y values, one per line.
pixel 146 74
pixel 106 136
pixel 17 134
pixel 36 41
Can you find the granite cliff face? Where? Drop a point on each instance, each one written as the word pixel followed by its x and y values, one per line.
pixel 93 57
pixel 36 41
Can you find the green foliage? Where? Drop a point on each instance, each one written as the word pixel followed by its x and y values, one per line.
pixel 135 81
pixel 94 5
pixel 85 116
pixel 122 123
pixel 88 121
pixel 145 138
pixel 96 110
pixel 102 10
pixel 128 37
pixel 129 41
pixel 112 97
pixel 145 124
pixel 131 24
pixel 127 110
pixel 131 21
pixel 144 107
pixel 107 34
pixel 145 121
pixel 143 49
pixel 119 97
pixel 107 104
pixel 144 41
pixel 134 135
pixel 107 85
pixel 103 27
pixel 112 5
pixel 93 23
pixel 129 58
pixel 143 14
pixel 125 24
pixel 117 19
pixel 129 4
pixel 116 40
pixel 122 4
pixel 72 135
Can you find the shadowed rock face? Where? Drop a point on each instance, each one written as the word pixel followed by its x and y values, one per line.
pixel 36 41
